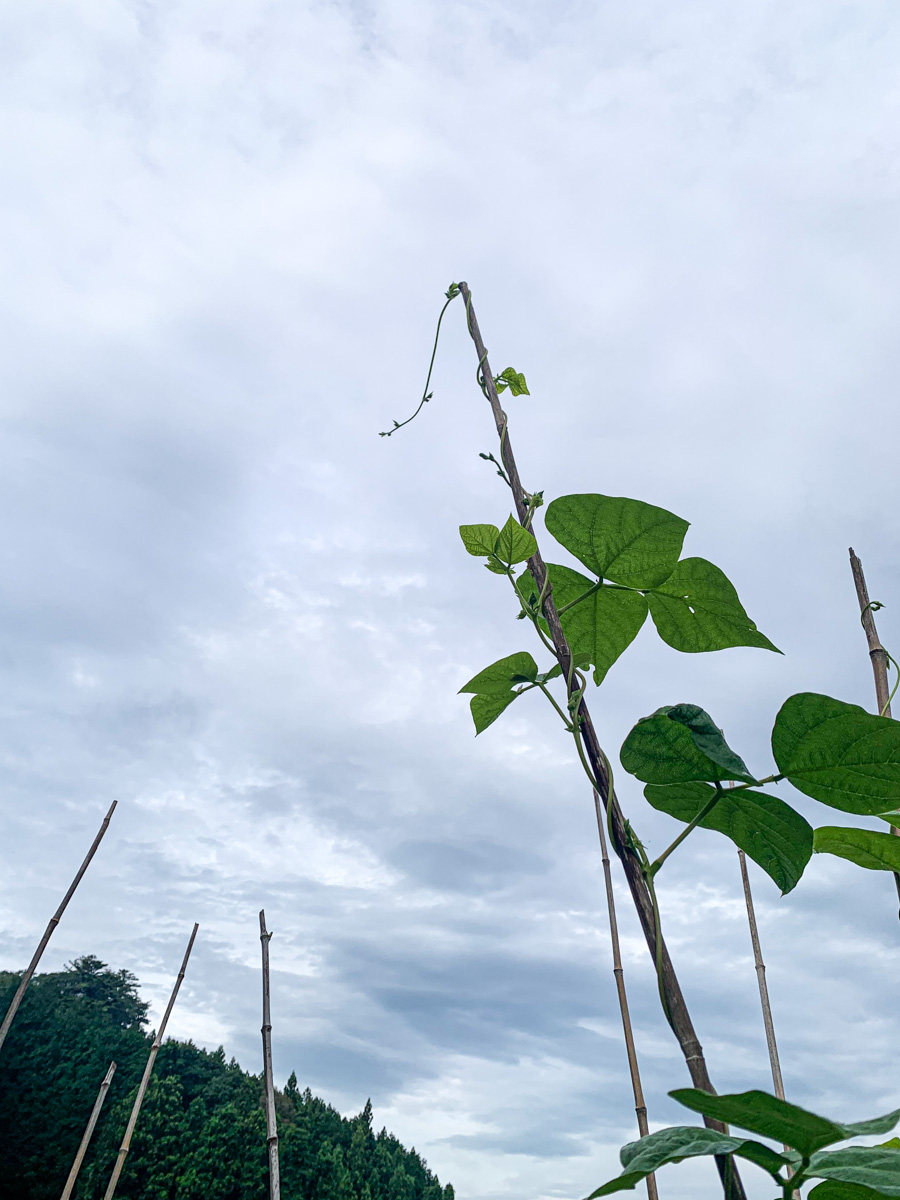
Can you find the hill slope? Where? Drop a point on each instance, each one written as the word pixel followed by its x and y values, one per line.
pixel 202 1130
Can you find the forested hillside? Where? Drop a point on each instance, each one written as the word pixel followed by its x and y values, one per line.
pixel 202 1131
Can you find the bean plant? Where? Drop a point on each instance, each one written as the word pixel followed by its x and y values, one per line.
pixel 836 753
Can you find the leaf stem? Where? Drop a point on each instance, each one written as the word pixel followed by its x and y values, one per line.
pixel 704 811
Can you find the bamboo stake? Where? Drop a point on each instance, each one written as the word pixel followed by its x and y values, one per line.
pixel 48 932
pixel 640 1107
pixel 774 1061
pixel 88 1133
pixel 271 1125
pixel 877 655
pixel 148 1071
pixel 676 1010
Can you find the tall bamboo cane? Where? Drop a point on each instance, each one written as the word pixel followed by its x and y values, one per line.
pixel 54 921
pixel 148 1071
pixel 640 1108
pixel 88 1133
pixel 676 1011
pixel 877 655
pixel 271 1124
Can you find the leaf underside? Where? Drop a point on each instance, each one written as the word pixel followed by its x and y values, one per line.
pixel 838 753
pixel 697 610
pixel 865 847
pixel 773 834
pixel 680 743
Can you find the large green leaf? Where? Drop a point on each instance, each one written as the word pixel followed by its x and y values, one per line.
pixel 678 744
pixel 764 827
pixel 766 1115
pixel 502 675
pixel 865 847
pixel 831 1190
pixel 493 687
pixel 869 1166
pixel 514 544
pixel 486 709
pixel 597 629
pixel 623 540
pixel 479 540
pixel 696 610
pixel 643 1157
pixel 838 753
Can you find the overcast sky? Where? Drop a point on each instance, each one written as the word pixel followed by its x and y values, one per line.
pixel 227 604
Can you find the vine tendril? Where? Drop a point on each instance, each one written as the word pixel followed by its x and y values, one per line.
pixel 451 294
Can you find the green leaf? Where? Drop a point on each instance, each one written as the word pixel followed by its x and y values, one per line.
pixel 867 1166
pixel 514 544
pixel 766 1115
pixel 697 610
pixel 487 708
pixel 643 1157
pixel 892 818
pixel 838 753
pixel 769 831
pixel 678 744
pixel 512 379
pixel 865 847
pixel 479 540
pixel 625 541
pixel 831 1190
pixel 502 675
pixel 599 628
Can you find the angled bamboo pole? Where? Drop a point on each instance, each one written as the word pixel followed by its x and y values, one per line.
pixel 877 655
pixel 640 1107
pixel 271 1124
pixel 675 1008
pixel 148 1071
pixel 88 1133
pixel 774 1060
pixel 48 932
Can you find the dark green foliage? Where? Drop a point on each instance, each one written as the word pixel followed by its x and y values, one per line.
pixel 852 1173
pixel 680 743
pixel 202 1129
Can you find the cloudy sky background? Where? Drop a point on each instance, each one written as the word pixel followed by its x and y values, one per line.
pixel 228 605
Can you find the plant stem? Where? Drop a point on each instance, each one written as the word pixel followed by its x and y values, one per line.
pixel 88 1133
pixel 271 1124
pixel 640 1107
pixel 148 1071
pixel 54 921
pixel 676 1009
pixel 877 655
pixel 689 828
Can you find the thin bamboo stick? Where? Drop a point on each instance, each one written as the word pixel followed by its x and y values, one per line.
pixel 88 1133
pixel 877 655
pixel 48 932
pixel 148 1071
pixel 774 1061
pixel 675 1007
pixel 271 1124
pixel 640 1106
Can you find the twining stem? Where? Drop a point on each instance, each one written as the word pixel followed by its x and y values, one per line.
pixel 877 654
pixel 51 925
pixel 689 828
pixel 676 1009
pixel 640 1107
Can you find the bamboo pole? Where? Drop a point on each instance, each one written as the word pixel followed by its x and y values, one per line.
pixel 774 1060
pixel 877 655
pixel 640 1107
pixel 271 1124
pixel 675 1008
pixel 148 1071
pixel 48 932
pixel 88 1133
